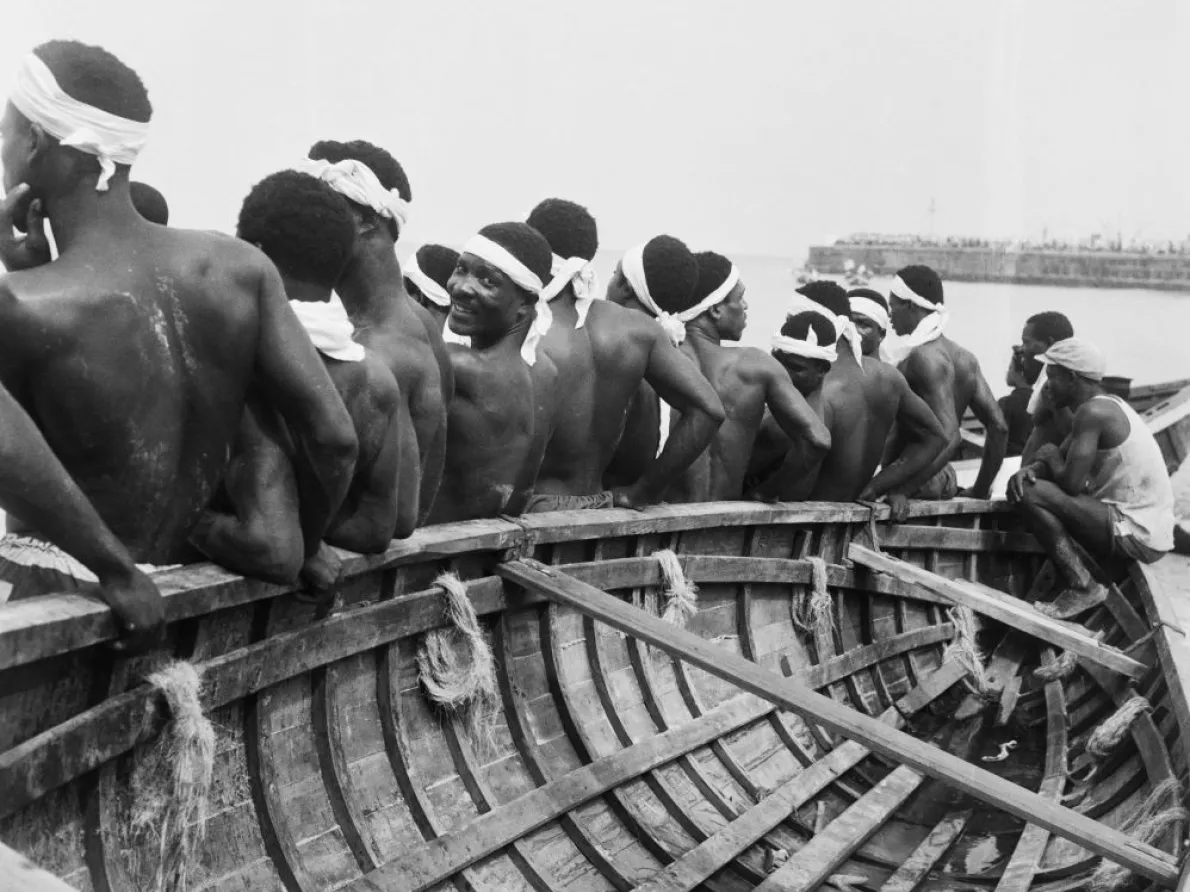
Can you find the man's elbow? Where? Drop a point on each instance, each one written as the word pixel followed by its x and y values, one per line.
pixel 713 409
pixel 819 441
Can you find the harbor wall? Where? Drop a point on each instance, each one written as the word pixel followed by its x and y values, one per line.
pixel 1168 272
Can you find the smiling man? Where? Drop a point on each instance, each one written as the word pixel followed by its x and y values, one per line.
pixel 504 384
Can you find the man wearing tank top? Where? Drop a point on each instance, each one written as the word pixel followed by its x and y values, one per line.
pixel 1106 488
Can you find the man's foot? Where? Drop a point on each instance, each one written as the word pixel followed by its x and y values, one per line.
pixel 1073 601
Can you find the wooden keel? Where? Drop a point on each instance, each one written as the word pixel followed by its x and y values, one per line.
pixel 898 746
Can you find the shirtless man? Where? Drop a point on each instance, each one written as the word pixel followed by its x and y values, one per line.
pixel 134 350
pixel 387 321
pixel 427 272
pixel 637 362
pixel 307 230
pixel 948 378
pixel 869 313
pixel 861 399
pixel 747 381
pixel 1051 424
pixel 504 383
pixel 1106 488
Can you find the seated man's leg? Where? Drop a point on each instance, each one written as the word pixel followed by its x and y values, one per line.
pixel 1059 520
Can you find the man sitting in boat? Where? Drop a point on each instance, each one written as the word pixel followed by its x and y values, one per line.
pixel 138 344
pixel 1106 488
pixel 611 359
pixel 869 312
pixel 1023 372
pixel 307 230
pixel 387 321
pixel 427 271
pixel 948 378
pixel 1051 424
pixel 860 399
pixel 505 385
pixel 747 381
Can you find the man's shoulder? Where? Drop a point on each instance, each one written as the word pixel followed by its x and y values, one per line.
pixel 604 318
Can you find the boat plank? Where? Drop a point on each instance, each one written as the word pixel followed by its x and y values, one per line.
pixel 954 539
pixel 913 872
pixel 1006 609
pixel 1143 859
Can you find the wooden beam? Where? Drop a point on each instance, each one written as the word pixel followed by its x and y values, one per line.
pixel 914 870
pixel 872 733
pixel 19 873
pixel 1006 609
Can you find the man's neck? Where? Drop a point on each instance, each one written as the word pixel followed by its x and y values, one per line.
pixel 372 286
pixel 81 211
pixel 844 357
pixel 510 339
pixel 701 334
pixel 1086 392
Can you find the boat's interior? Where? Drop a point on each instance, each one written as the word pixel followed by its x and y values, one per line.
pixel 607 750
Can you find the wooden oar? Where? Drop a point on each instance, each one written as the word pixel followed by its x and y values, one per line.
pixel 872 733
pixel 1005 608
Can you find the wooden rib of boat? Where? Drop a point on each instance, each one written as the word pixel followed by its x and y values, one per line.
pixel 767 744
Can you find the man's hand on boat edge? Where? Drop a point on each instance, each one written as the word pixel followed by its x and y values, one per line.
pixel 139 609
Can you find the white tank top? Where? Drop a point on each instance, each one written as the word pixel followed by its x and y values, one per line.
pixel 1132 477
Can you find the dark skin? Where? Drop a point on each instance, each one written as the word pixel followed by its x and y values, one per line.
pixel 406 338
pixel 259 534
pixel 861 406
pixel 948 378
pixel 636 363
pixel 1050 491
pixel 437 314
pixel 135 349
pixel 748 381
pixel 500 415
pixel 871 335
pixel 780 469
pixel 1052 424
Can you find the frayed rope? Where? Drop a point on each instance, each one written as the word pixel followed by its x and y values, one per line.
pixel 817 612
pixel 681 596
pixel 1156 815
pixel 1058 669
pixel 172 784
pixel 964 650
pixel 464 689
pixel 1111 733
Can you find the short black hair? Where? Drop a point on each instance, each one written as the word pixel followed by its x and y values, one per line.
pixel 871 294
pixel 713 270
pixel 525 243
pixel 798 326
pixel 387 169
pixel 438 262
pixel 302 224
pixel 924 282
pixel 1051 326
pixel 827 294
pixel 568 227
pixel 149 203
pixel 94 76
pixel 670 269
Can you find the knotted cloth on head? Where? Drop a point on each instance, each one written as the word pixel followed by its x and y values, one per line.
pixel 505 261
pixel 110 138
pixel 810 348
pixel 1079 356
pixel 329 328
pixel 931 327
pixel 674 324
pixel 578 270
pixel 356 182
pixel 865 306
pixel 430 288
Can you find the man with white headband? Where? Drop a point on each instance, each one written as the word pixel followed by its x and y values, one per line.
pixel 139 343
pixel 1051 424
pixel 947 376
pixel 257 525
pixel 1106 488
pixel 427 271
pixel 387 320
pixel 505 386
pixel 748 381
pixel 869 314
pixel 860 399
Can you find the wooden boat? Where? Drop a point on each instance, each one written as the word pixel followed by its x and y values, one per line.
pixel 809 727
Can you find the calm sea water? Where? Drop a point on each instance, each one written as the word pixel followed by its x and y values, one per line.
pixel 1136 329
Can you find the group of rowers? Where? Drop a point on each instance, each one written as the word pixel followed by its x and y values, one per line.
pixel 170 395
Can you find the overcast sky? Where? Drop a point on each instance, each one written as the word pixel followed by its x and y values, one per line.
pixel 748 127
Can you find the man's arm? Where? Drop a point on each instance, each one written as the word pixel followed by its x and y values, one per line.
pixel 988 411
pixel 297 385
pixel 924 440
pixel 35 487
pixel 370 528
pixel 793 480
pixel 1071 466
pixel 680 383
pixel 933 381
pixel 805 429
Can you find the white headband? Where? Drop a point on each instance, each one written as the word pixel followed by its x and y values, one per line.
pixel 431 289
pixel 844 328
pixel 865 306
pixel 356 181
pixel 808 348
pixel 329 327
pixel 498 256
pixel 898 288
pixel 110 138
pixel 586 284
pixel 674 324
